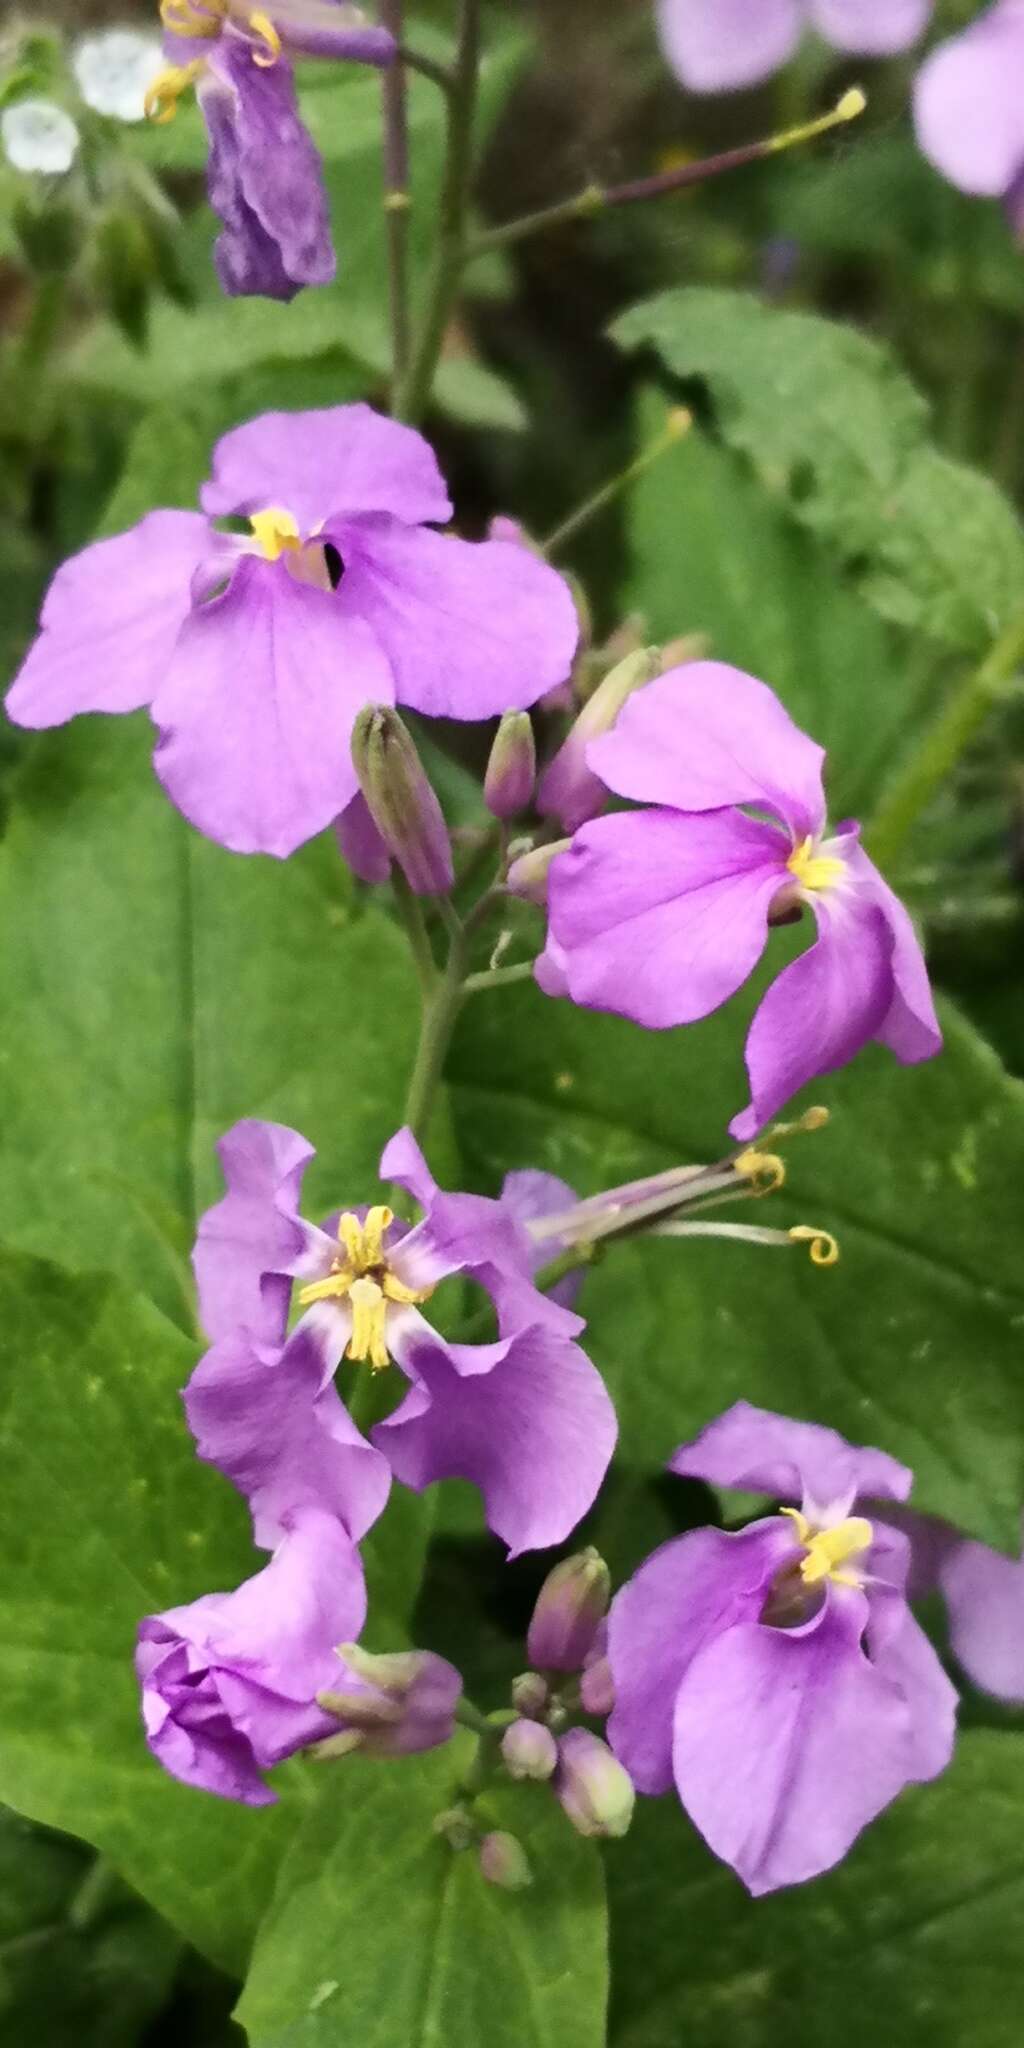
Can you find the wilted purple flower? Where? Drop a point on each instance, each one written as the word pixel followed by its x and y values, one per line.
pixel 526 1418
pixel 255 652
pixel 969 107
pixel 229 1683
pixel 264 174
pixel 661 914
pixel 778 1675
pixel 392 1705
pixel 720 45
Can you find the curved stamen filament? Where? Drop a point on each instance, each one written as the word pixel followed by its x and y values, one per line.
pixel 187 18
pixel 765 1171
pixel 262 26
pixel 161 101
pixel 822 1246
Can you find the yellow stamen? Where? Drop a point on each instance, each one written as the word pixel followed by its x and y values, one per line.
pixel 823 1247
pixel 828 1549
pixel 275 530
pixel 814 871
pixel 369 1324
pixel 184 18
pixel 765 1170
pixel 263 27
pixel 334 1288
pixel 161 101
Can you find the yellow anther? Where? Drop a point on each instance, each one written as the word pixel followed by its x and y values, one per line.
pixel 813 1119
pixel 397 1291
pixel 814 871
pixel 275 530
pixel 378 1220
pixel 334 1288
pixel 369 1324
pixel 765 1171
pixel 161 101
pixel 823 1247
pixel 185 18
pixel 828 1549
pixel 262 26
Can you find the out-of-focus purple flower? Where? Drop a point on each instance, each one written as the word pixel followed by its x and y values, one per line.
pixel 984 1595
pixel 392 1705
pixel 264 174
pixel 255 652
pixel 591 1785
pixel 570 1609
pixel 660 914
pixel 229 1683
pixel 778 1675
pixel 722 45
pixel 969 107
pixel 526 1418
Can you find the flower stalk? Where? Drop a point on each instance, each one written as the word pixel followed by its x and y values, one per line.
pixel 396 190
pixel 413 392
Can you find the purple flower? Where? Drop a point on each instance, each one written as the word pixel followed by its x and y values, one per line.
pixel 526 1417
pixel 229 1683
pixel 254 653
pixel 720 45
pixel 661 914
pixel 969 108
pixel 778 1675
pixel 264 174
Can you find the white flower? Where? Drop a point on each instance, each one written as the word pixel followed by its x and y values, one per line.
pixel 115 69
pixel 38 136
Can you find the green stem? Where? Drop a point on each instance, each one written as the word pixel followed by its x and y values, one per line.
pixel 396 191
pixel 414 391
pixel 497 977
pixel 943 745
pixel 441 1007
pixel 678 423
pixel 42 327
pixel 410 910
pixel 469 1716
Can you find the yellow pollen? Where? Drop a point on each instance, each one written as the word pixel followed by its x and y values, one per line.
pixel 814 871
pixel 275 531
pixel 363 1277
pixel 262 26
pixel 822 1246
pixel 161 101
pixel 184 18
pixel 828 1549
pixel 765 1171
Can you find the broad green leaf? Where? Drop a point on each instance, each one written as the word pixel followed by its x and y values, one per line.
pixel 108 1516
pixel 380 1933
pixel 77 1970
pixel 911 1342
pixel 710 553
pixel 833 429
pixel 914 1939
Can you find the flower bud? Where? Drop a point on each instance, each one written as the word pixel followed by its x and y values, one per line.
pixel 530 1694
pixel 528 876
pixel 512 768
pixel 391 1705
pixel 529 1750
pixel 400 800
pixel 594 1790
pixel 568 790
pixel 571 1606
pixel 503 1862
pixel 597 1690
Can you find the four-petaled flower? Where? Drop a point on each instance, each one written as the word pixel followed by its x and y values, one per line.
pixel 264 175
pixel 778 1675
pixel 969 107
pixel 255 652
pixel 661 914
pixel 721 45
pixel 525 1417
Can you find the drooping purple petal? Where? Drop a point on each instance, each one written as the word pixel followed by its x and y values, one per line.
pixel 264 177
pixel 705 736
pixel 968 106
pixel 822 1009
pixel 471 629
pixel 272 1422
pixel 256 711
pixel 684 1595
pixel 871 28
pixel 761 1452
pixel 661 917
pixel 984 1593
pixel 721 45
pixel 535 1433
pixel 252 1240
pixel 346 459
pixel 110 620
pixel 787 1742
pixel 901 1652
pixel 910 1027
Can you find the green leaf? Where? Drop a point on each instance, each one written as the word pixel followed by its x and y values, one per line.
pixel 833 430
pixel 710 553
pixel 380 1933
pixel 912 1342
pixel 914 1938
pixel 74 1975
pixel 108 1516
